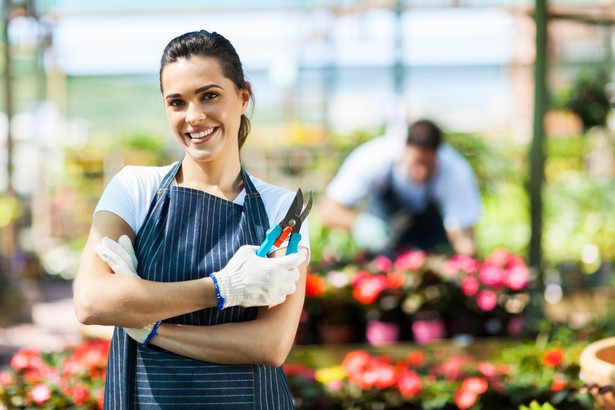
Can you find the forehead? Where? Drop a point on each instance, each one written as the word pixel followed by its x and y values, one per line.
pixel 420 153
pixel 187 72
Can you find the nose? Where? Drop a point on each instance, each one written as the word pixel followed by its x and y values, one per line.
pixel 194 114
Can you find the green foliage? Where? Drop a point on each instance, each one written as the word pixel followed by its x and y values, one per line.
pixel 534 405
pixel 586 97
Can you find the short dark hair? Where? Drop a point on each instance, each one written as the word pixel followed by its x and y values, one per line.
pixel 205 44
pixel 424 134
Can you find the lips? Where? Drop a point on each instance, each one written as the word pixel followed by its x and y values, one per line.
pixel 201 134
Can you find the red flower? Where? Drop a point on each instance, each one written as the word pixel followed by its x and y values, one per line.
pixel 27 358
pixel 40 394
pixel 465 399
pixel 553 357
pixel 486 300
pixel 395 279
pixel 368 289
pixel 476 385
pixel 558 385
pixel 416 359
pixel 80 394
pixel 314 285
pixel 409 383
pixel 385 373
pixel 355 361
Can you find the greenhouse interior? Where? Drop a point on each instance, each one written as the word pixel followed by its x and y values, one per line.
pixel 522 90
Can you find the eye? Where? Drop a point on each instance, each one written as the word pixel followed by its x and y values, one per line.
pixel 176 103
pixel 209 96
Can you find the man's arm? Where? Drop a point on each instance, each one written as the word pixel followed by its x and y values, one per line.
pixel 463 241
pixel 336 215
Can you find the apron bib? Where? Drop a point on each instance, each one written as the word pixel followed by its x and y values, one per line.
pixel 423 230
pixel 187 235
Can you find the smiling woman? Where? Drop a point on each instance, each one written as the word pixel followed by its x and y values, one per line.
pixel 199 320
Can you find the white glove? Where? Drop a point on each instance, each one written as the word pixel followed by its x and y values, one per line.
pixel 250 280
pixel 371 232
pixel 121 258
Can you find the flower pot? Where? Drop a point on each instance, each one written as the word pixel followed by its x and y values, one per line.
pixel 379 333
pixel 428 327
pixel 597 364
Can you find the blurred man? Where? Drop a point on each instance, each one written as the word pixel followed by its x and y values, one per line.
pixel 422 194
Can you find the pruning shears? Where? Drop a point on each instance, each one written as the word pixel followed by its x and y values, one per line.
pixel 288 227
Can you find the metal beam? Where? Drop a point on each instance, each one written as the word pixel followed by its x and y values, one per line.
pixel 537 154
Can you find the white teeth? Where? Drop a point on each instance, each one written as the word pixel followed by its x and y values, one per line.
pixel 201 134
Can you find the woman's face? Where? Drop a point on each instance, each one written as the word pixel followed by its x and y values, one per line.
pixel 203 108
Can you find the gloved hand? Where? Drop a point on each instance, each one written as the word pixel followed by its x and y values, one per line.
pixel 250 280
pixel 371 232
pixel 121 258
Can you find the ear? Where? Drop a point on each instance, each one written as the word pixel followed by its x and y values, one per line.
pixel 245 94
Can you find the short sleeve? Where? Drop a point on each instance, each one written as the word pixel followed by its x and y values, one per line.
pixel 460 197
pixel 362 171
pixel 119 199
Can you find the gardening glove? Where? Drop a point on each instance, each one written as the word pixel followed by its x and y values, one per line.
pixel 121 258
pixel 371 233
pixel 250 280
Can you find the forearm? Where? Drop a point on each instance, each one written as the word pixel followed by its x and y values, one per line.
pixel 116 300
pixel 104 298
pixel 463 241
pixel 265 340
pixel 336 215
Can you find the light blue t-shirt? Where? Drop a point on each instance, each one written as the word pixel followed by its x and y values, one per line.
pixel 453 187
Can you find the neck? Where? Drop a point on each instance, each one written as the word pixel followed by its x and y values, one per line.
pixel 220 179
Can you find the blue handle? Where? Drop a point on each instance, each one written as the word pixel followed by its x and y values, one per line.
pixel 293 243
pixel 272 235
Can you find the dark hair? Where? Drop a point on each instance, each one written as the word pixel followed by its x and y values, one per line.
pixel 205 44
pixel 424 134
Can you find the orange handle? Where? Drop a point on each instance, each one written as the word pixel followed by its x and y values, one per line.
pixel 287 231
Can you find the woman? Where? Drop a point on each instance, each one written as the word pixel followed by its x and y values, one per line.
pixel 195 220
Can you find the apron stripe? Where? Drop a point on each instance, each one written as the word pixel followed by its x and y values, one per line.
pixel 187 235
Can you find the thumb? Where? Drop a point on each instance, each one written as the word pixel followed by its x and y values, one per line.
pixel 126 244
pixel 292 260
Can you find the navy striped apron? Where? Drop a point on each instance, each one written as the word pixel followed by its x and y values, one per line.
pixel 186 235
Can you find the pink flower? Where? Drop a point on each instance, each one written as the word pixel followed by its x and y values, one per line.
pixel 410 260
pixel 382 264
pixel 5 379
pixel 486 300
pixel 40 393
pixel 518 276
pixel 27 358
pixel 470 285
pixel 368 289
pixel 491 275
pixel 463 263
pixel 498 257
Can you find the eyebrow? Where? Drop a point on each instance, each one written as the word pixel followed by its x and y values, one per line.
pixel 197 91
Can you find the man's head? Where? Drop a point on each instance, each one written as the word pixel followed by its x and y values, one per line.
pixel 424 138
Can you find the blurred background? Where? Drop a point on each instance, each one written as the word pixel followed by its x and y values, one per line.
pixel 524 91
